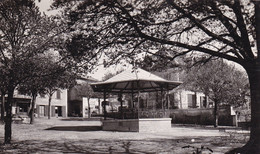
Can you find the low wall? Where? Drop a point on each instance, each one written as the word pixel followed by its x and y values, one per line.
pixel 137 125
pixel 154 124
pixel 127 125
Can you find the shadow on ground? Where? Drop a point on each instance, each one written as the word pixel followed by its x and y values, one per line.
pixel 95 146
pixel 101 146
pixel 76 128
pixel 82 119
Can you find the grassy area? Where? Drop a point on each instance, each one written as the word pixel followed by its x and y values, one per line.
pixel 80 136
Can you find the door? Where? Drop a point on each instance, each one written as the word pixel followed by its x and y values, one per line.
pixel 58 111
pixel 41 110
pixel 191 101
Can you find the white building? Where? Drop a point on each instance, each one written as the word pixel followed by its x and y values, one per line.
pixel 58 104
pixel 185 99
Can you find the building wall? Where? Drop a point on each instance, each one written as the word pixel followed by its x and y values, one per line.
pixel 94 104
pixel 58 104
pixel 77 100
pixel 21 103
pixel 182 97
pixel 18 95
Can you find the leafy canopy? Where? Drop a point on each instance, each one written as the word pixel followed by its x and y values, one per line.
pixel 221 82
pixel 127 29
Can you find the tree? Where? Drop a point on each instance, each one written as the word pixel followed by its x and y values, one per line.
pixel 33 86
pixel 222 83
pixel 2 105
pixel 173 28
pixel 84 90
pixel 24 34
pixel 3 92
pixel 109 75
pixel 44 70
pixel 56 81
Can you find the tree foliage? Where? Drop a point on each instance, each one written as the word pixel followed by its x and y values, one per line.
pixel 165 28
pixel 35 85
pixel 109 75
pixel 219 81
pixel 25 34
pixel 49 76
pixel 61 79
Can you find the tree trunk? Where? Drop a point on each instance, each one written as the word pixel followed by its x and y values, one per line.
pixel 157 99
pixel 49 106
pixel 8 118
pixel 253 71
pixel 88 108
pixel 206 101
pixel 162 103
pixel 2 106
pixel 99 106
pixel 253 145
pixel 195 99
pixel 121 111
pixel 216 114
pixel 254 80
pixel 32 109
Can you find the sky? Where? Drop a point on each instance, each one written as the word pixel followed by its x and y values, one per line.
pixel 44 5
pixel 98 73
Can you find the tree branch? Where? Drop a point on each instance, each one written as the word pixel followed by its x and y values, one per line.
pixel 199 25
pixel 190 47
pixel 242 27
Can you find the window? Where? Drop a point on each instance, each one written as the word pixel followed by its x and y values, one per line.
pixel 58 94
pixel 203 103
pixel 191 101
pixel 173 102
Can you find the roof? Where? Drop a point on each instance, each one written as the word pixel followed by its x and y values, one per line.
pixel 134 80
pixel 88 78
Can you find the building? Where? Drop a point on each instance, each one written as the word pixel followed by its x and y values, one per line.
pixel 180 98
pixel 64 102
pixel 21 103
pixel 184 99
pixel 58 104
pixel 81 98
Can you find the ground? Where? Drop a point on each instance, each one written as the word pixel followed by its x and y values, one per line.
pixel 84 136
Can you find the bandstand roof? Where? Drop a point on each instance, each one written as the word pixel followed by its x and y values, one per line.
pixel 134 80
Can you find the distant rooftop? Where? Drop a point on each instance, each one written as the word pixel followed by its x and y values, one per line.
pixel 88 78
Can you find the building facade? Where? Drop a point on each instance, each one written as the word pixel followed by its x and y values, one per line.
pixel 184 99
pixel 64 102
pixel 58 104
pixel 21 103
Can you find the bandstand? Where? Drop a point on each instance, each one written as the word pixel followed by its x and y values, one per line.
pixel 134 81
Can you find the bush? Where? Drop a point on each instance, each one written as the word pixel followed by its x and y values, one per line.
pixel 200 117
